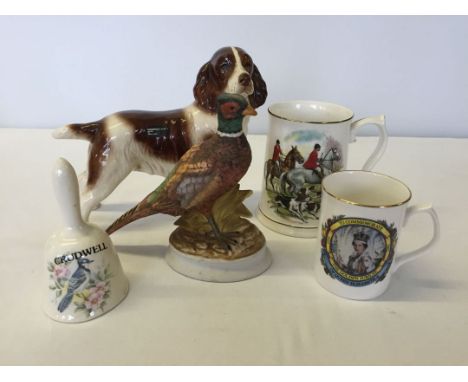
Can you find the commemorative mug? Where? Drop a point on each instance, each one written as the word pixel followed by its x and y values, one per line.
pixel 362 216
pixel 307 140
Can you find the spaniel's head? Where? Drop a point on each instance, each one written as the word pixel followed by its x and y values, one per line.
pixel 230 70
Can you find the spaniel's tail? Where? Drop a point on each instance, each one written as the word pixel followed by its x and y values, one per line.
pixel 85 131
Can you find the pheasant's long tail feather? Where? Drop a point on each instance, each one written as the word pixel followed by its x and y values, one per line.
pixel 128 217
pixel 150 205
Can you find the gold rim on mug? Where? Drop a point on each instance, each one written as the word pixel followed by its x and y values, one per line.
pixel 362 204
pixel 311 122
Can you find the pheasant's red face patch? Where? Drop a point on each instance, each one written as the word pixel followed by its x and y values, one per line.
pixel 229 110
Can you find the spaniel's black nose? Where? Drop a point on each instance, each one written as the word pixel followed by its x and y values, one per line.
pixel 244 79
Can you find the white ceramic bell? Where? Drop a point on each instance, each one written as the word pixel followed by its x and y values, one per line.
pixel 83 272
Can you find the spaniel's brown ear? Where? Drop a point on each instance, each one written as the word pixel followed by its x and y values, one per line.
pixel 260 93
pixel 205 89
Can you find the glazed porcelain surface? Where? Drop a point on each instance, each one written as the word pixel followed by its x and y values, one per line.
pixel 362 217
pixel 154 141
pixel 307 140
pixel 83 275
pixel 219 270
pixel 203 191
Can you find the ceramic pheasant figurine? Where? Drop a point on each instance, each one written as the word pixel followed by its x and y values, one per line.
pixel 206 172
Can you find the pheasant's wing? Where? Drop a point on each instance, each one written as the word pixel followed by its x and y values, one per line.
pixel 191 178
pixel 165 194
pixel 169 197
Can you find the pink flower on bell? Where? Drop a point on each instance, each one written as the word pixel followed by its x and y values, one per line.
pixel 61 272
pixel 93 301
pixel 99 289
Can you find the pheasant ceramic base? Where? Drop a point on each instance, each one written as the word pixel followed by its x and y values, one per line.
pixel 228 248
pixel 206 260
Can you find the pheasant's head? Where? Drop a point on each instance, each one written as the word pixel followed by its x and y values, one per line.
pixel 232 108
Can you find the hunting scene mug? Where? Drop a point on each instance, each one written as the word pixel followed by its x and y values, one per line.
pixel 307 140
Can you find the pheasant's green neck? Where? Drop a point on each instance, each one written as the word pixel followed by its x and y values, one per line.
pixel 230 128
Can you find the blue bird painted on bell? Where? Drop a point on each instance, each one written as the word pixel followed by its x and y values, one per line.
pixel 77 279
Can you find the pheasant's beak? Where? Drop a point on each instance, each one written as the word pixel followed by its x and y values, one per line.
pixel 249 110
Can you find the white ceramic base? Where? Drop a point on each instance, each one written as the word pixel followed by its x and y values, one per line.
pixel 219 270
pixel 289 230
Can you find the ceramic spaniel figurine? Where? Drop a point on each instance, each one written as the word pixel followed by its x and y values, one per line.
pixel 203 190
pixel 153 141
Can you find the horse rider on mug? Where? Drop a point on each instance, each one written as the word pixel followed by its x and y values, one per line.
pixel 312 162
pixel 277 154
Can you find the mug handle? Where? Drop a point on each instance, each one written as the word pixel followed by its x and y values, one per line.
pixel 378 121
pixel 413 210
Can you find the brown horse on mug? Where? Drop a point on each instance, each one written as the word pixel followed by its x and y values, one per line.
pixel 274 170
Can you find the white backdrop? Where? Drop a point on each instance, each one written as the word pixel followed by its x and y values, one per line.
pixel 414 69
